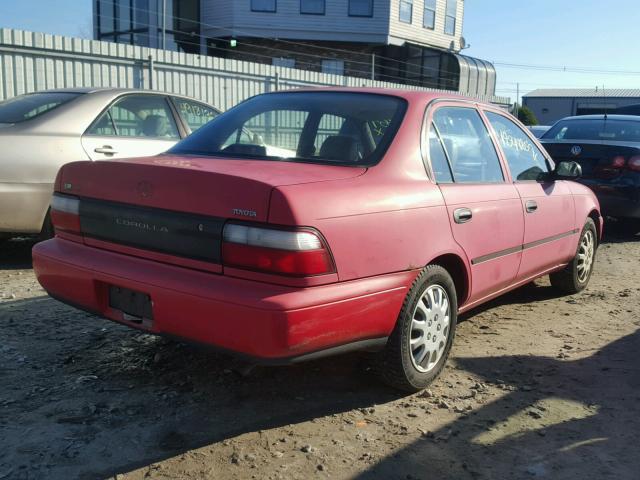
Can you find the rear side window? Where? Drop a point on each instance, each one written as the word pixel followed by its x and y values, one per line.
pixel 468 145
pixel 438 157
pixel 27 107
pixel 195 114
pixel 319 127
pixel 525 159
pixel 137 116
pixel 595 129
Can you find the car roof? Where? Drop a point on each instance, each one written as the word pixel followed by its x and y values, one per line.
pixel 113 92
pixel 633 118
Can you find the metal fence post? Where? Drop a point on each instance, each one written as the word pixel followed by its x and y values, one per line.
pixel 151 68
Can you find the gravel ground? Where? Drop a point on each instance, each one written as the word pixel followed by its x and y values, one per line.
pixel 539 386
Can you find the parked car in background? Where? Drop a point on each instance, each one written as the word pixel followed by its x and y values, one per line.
pixel 607 147
pixel 539 130
pixel 41 131
pixel 395 211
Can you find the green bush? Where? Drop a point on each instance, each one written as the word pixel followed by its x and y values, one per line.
pixel 526 116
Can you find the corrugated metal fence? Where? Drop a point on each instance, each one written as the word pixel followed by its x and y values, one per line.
pixel 36 61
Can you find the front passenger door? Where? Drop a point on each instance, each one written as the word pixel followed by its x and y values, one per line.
pixel 134 126
pixel 484 210
pixel 549 227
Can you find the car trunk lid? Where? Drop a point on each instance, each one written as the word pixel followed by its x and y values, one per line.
pixel 595 158
pixel 177 206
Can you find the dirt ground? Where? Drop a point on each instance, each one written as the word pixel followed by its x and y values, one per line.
pixel 539 386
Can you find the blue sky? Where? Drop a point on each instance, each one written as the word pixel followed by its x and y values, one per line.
pixel 570 33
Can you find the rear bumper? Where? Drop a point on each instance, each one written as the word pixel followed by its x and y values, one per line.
pixel 619 197
pixel 268 323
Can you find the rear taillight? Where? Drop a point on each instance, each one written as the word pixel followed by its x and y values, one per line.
pixel 634 163
pixel 618 162
pixel 65 213
pixel 298 253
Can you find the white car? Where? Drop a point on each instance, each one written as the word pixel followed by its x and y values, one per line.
pixel 39 132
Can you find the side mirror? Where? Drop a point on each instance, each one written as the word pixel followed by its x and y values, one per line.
pixel 568 170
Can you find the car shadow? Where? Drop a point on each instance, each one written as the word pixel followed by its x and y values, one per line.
pixel 15 254
pixel 101 399
pixel 560 419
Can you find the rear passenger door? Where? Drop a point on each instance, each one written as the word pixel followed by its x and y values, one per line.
pixel 549 232
pixel 485 211
pixel 133 126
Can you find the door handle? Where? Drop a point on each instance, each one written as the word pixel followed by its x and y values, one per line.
pixel 462 215
pixel 531 206
pixel 106 149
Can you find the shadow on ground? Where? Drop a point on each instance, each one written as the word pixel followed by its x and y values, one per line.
pixel 16 254
pixel 86 398
pixel 558 420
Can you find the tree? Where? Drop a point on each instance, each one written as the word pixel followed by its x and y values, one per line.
pixel 526 116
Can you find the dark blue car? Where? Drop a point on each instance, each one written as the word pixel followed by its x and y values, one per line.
pixel 607 147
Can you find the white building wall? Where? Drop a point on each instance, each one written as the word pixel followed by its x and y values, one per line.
pixel 416 33
pixel 237 19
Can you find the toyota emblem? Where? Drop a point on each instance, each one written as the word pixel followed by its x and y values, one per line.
pixel 576 150
pixel 145 189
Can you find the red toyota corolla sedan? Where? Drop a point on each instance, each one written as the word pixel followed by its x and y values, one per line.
pixel 307 223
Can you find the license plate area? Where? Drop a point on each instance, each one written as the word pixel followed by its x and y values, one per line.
pixel 136 307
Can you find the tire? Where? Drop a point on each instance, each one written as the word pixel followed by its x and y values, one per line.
pixel 573 278
pixel 397 364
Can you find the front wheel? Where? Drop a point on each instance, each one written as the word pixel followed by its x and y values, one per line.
pixel 419 346
pixel 575 276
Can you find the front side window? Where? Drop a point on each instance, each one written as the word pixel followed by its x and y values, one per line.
pixel 526 161
pixel 406 11
pixel 450 18
pixel 263 6
pixel 138 116
pixel 312 7
pixel 429 18
pixel 32 105
pixel 468 145
pixel 195 114
pixel 318 127
pixel 361 8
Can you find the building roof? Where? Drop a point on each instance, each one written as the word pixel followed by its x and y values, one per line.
pixel 585 92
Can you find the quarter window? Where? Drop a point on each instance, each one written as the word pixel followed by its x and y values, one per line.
pixel 361 8
pixel 195 114
pixel 406 11
pixel 438 157
pixel 526 161
pixel 468 146
pixel 263 6
pixel 450 18
pixel 429 18
pixel 142 116
pixel 312 7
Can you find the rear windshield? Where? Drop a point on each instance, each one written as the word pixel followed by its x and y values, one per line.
pixel 26 107
pixel 595 129
pixel 320 127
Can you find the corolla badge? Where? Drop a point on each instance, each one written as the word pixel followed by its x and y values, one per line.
pixel 576 150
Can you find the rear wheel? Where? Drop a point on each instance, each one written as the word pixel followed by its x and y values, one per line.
pixel 419 346
pixel 575 276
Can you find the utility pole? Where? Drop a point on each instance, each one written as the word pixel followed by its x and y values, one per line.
pixel 164 24
pixel 517 100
